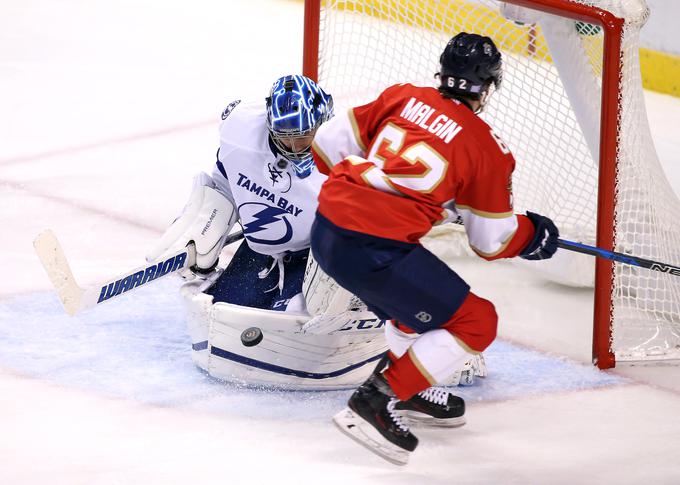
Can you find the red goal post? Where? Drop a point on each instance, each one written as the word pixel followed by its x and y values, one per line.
pixel 541 49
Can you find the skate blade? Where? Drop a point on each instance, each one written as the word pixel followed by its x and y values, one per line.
pixel 363 433
pixel 414 418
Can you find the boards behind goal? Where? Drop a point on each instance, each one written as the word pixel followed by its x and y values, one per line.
pixel 571 109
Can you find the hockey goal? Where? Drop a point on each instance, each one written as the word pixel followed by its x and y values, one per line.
pixel 571 108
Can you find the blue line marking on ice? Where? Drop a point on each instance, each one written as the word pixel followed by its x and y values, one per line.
pixel 136 347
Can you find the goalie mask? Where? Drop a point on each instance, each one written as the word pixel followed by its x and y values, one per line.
pixel 469 66
pixel 296 107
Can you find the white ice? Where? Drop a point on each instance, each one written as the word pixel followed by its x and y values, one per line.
pixel 108 109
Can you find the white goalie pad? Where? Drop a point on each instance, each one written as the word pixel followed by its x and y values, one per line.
pixel 285 357
pixel 331 306
pixel 473 368
pixel 324 296
pixel 329 323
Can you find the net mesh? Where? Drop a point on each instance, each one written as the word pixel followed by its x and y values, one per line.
pixel 548 112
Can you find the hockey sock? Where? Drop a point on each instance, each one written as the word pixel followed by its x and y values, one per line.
pixel 405 378
pixel 433 358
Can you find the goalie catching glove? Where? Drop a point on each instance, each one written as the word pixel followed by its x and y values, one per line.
pixel 204 225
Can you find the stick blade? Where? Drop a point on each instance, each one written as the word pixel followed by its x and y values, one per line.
pixel 56 266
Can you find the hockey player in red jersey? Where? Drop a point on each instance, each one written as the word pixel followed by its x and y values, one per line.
pixel 415 157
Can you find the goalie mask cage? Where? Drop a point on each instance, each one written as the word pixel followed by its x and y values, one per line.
pixel 570 107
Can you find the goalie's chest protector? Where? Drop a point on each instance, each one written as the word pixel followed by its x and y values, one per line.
pixel 275 206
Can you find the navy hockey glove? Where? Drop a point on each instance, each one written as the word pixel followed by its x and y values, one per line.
pixel 544 243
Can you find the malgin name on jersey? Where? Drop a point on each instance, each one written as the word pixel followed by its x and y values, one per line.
pixel 420 113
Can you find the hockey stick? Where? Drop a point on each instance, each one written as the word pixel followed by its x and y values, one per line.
pixel 618 257
pixel 610 255
pixel 76 299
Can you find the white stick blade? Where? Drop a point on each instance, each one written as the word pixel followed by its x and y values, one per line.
pixel 54 261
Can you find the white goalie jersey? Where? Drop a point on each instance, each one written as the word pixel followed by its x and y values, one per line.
pixel 276 208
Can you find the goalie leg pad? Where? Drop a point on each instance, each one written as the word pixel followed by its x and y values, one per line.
pixel 323 295
pixel 285 358
pixel 332 307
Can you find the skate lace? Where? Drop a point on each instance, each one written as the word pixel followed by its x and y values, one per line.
pixel 277 262
pixel 434 395
pixel 396 418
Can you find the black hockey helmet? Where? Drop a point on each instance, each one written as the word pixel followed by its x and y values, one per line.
pixel 469 64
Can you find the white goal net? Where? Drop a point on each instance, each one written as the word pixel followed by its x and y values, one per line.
pixel 549 110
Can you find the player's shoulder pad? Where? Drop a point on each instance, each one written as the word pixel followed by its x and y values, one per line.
pixel 230 107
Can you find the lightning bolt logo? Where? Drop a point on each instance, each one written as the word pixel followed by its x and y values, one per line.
pixel 265 219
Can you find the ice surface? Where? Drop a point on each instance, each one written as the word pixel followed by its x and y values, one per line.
pixel 136 348
pixel 108 109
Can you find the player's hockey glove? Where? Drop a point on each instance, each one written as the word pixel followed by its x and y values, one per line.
pixel 544 243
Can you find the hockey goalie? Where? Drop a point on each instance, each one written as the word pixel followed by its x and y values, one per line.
pixel 268 315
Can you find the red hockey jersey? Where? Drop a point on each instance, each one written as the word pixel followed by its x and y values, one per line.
pixel 412 159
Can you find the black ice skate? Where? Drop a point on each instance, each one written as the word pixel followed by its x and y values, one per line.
pixel 434 407
pixel 371 420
